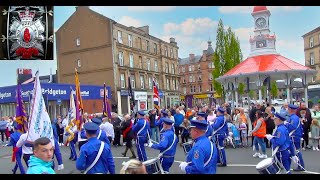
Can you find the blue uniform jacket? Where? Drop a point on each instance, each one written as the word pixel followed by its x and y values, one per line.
pixel 282 139
pixel 294 123
pixel 166 139
pixel 83 134
pixel 88 153
pixel 136 128
pixel 199 155
pixel 218 123
pixel 14 137
pixel 55 132
pixel 159 122
pixel 209 131
pixel 103 137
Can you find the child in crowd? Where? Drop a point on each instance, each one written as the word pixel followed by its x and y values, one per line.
pixel 315 134
pixel 185 133
pixel 244 135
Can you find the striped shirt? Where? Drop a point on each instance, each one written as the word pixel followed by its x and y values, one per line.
pixel 108 128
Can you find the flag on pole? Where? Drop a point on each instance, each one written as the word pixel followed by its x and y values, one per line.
pixel 39 122
pixel 72 107
pixel 156 97
pixel 21 116
pixel 106 105
pixel 79 104
pixel 131 96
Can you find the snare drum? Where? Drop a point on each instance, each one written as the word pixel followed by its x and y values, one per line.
pixel 187 146
pixel 153 166
pixel 269 166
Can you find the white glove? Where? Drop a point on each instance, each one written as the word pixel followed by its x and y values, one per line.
pixel 150 144
pixel 269 136
pixel 285 122
pixel 295 159
pixel 183 166
pixel 230 133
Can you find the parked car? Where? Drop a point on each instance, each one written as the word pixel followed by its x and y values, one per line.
pixel 277 102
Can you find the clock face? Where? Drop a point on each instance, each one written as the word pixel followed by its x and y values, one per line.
pixel 261 44
pixel 261 22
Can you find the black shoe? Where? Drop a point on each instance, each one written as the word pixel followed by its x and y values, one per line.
pixel 222 165
pixel 123 154
pixel 70 158
pixel 73 159
pixel 298 169
pixel 133 157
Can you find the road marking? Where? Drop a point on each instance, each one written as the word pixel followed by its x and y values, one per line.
pixel 309 172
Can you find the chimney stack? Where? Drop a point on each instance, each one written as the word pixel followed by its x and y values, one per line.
pixel 191 57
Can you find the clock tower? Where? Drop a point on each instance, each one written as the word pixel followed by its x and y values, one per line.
pixel 262 42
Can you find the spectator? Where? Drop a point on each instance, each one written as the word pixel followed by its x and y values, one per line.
pixel 211 116
pixel 127 134
pixel 269 124
pixel 41 161
pixel 60 130
pixel 107 127
pixel 259 133
pixel 193 112
pixel 117 129
pixel 178 119
pixel 284 111
pixel 170 116
pixel 185 133
pixel 154 129
pixel 3 128
pixel 181 110
pixel 306 125
pixel 315 127
pixel 133 166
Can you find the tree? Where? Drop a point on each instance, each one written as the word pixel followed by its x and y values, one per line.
pixel 251 94
pixel 241 89
pixel 274 89
pixel 226 56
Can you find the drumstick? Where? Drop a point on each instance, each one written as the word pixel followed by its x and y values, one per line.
pixel 299 165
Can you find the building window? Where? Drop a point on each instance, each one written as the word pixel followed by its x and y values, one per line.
pixel 155 48
pixel 311 58
pixel 177 52
pixel 148 64
pixel 140 61
pixel 183 69
pixel 192 67
pixel 171 52
pixel 129 40
pixel 198 66
pixel 122 81
pixel 168 84
pixel 78 63
pixel 189 68
pixel 120 37
pixel 166 51
pixel 199 77
pixel 150 83
pixel 156 66
pixel 141 81
pixel 211 87
pixel 210 76
pixel 120 58
pixel 133 81
pixel 172 68
pixel 183 80
pixel 131 60
pixel 190 78
pixel 311 42
pixel 139 41
pixel 148 47
pixel 167 68
pixel 184 90
pixel 191 89
pixel 200 89
pixel 194 88
pixel 313 78
pixel 177 85
pixel 173 84
pixel 78 41
pixel 211 65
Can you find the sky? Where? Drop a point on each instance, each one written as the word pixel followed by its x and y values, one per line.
pixel 192 27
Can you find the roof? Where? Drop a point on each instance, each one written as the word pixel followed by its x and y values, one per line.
pixel 311 32
pixel 265 63
pixel 259 8
pixel 184 61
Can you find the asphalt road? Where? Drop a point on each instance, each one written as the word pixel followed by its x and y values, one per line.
pixel 240 161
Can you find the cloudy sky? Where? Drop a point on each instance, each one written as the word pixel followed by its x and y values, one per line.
pixel 192 27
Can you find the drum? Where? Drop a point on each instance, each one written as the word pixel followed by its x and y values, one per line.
pixel 269 166
pixel 153 166
pixel 187 146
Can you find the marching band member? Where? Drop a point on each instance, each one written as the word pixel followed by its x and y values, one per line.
pixel 295 132
pixel 282 140
pixel 101 135
pixel 159 122
pixel 72 139
pixel 202 158
pixel 82 138
pixel 95 156
pixel 220 131
pixel 202 116
pixel 167 145
pixel 17 152
pixel 57 152
pixel 141 129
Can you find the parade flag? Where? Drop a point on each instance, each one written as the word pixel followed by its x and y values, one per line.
pixel 79 104
pixel 39 122
pixel 156 97
pixel 106 105
pixel 72 107
pixel 21 115
pixel 131 96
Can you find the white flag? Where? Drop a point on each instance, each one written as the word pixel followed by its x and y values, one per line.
pixel 72 105
pixel 39 121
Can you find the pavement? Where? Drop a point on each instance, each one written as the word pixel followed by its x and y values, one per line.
pixel 240 160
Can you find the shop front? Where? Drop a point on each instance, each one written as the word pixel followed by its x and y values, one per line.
pixel 141 100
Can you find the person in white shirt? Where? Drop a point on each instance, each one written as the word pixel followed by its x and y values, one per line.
pixel 26 147
pixel 107 127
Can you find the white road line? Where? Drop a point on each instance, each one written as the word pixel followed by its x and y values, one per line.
pixel 309 172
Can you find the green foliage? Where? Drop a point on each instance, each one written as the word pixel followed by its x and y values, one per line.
pixel 274 89
pixel 241 89
pixel 251 94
